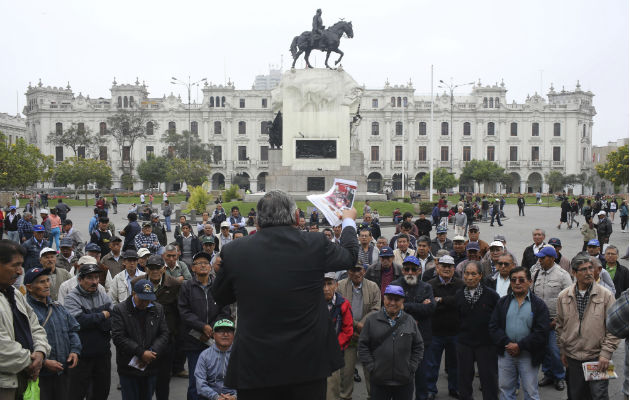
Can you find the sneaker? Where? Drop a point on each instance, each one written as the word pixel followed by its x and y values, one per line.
pixel 560 385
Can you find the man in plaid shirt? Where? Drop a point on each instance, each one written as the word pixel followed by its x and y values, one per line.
pixel 25 227
pixel 147 239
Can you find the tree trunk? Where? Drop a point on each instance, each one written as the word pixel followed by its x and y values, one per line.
pixel 85 190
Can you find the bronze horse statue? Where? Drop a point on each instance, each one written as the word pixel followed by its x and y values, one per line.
pixel 328 42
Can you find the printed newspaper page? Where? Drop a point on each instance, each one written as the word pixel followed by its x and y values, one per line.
pixel 339 197
pixel 592 373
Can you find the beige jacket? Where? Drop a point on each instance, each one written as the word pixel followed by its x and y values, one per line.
pixel 13 358
pixel 589 339
pixel 371 297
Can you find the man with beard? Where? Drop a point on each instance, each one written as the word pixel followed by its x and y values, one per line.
pixel 420 304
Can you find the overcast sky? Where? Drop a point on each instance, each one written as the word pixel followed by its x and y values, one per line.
pixel 88 43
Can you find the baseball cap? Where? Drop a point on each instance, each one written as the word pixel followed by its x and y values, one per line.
pixel 472 246
pixel 143 252
pixel 500 238
pixel 555 242
pixel 66 242
pixel 207 240
pixel 547 251
pixel 87 260
pixel 155 260
pixel 474 226
pixel 129 254
pixel 34 273
pixel 223 323
pixel 395 290
pixel 446 260
pixel 330 275
pixel 92 247
pixel 359 266
pixel 412 260
pixel 38 228
pixel 225 224
pixel 115 239
pixel 144 290
pixel 202 254
pixel 601 212
pixel 155 215
pixel 593 242
pixel 46 250
pixel 442 229
pixel 496 243
pixel 386 252
pixel 459 238
pixel 12 208
pixel 146 224
pixel 496 199
pixel 44 211
pixel 87 269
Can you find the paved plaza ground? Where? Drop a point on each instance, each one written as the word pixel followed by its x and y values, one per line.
pixel 517 231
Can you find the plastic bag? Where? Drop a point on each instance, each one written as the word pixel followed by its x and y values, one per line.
pixel 32 390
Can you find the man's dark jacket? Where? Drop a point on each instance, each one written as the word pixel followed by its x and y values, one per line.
pixel 195 245
pixel 536 342
pixel 621 279
pixel 446 317
pixel 32 249
pixel 473 327
pixel 131 230
pixel 131 338
pixel 373 227
pixel 167 295
pixel 285 335
pixel 529 258
pixel 435 246
pixel 160 232
pixel 424 227
pixel 414 297
pixel 373 273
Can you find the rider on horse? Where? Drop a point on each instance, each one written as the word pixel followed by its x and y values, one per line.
pixel 318 27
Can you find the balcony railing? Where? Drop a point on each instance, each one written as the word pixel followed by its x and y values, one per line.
pixel 397 164
pixel 557 164
pixel 241 163
pixel 218 164
pixel 535 164
pixel 513 164
pixel 263 164
pixel 375 164
pixel 422 164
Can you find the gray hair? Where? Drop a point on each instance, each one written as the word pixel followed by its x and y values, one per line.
pixel 581 258
pixel 595 261
pixel 476 264
pixel 276 208
pixel 442 252
pixel 612 246
pixel 538 229
pixel 508 254
pixel 170 247
pixel 27 214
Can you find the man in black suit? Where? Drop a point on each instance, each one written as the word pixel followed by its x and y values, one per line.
pixel 529 255
pixel 285 344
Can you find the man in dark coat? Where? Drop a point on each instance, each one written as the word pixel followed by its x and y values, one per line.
pixel 130 231
pixel 529 255
pixel 282 316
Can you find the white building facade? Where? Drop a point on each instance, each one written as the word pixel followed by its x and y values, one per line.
pixel 528 139
pixel 13 127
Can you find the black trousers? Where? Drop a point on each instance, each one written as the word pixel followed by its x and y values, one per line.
pixel 385 392
pixel 487 364
pixel 521 210
pixel 578 388
pixel 94 372
pixel 312 390
pixel 165 365
pixel 54 387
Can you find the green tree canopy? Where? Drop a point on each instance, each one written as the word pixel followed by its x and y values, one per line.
pixel 73 137
pixel 22 164
pixel 481 171
pixel 177 146
pixel 154 169
pixel 555 180
pixel 442 180
pixel 615 169
pixel 195 173
pixel 80 172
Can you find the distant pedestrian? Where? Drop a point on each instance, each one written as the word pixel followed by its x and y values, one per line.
pixel 167 212
pixel 62 210
pixel 496 213
pixel 604 227
pixel 115 204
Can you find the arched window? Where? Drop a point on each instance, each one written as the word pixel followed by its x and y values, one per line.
pixel 150 128
pixel 217 127
pixel 102 128
pixel 485 102
pixel 125 101
pixel 466 128
pixel 490 128
pixel 130 101
pixel 59 128
pixel 422 129
pixel 404 102
pixel 375 128
pixel 399 128
pixel 194 127
pixel 119 102
pixel 491 102
pixel 217 102
pixel 242 128
pixel 496 102
pixel 444 128
pixel 223 101
pixel 172 128
pixel 393 102
pixel 211 101
pixel 398 101
pixel 513 129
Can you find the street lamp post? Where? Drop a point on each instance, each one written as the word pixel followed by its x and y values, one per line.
pixel 451 87
pixel 187 84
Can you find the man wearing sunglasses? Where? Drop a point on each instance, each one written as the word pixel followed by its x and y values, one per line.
pixel 519 327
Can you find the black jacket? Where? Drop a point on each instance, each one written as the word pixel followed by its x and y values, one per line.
pixel 131 338
pixel 621 279
pixel 195 245
pixel 529 258
pixel 424 227
pixel 197 308
pixel 536 342
pixel 414 298
pixel 131 230
pixel 282 315
pixel 168 295
pixel 446 317
pixel 435 247
pixel 473 328
pixel 11 226
pixel 373 273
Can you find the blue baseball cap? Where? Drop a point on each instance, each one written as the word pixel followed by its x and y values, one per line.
pixel 386 252
pixel 412 260
pixel 442 229
pixel 473 246
pixel 395 290
pixel 555 242
pixel 547 251
pixel 144 290
pixel 92 247
pixel 34 274
pixel 593 242
pixel 11 207
pixel 38 228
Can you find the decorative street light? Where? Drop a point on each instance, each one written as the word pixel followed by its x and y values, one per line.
pixel 188 84
pixel 451 87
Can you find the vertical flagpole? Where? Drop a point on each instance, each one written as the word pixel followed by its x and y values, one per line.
pixel 431 143
pixel 403 152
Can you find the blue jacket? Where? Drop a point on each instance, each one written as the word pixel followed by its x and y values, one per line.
pixel 61 331
pixel 536 342
pixel 32 249
pixel 210 373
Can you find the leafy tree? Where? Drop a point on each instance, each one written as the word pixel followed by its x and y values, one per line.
pixel 482 171
pixel 22 164
pixel 199 199
pixel 126 180
pixel 442 180
pixel 177 146
pixel 231 193
pixel 195 173
pixel 73 137
pixel 153 170
pixel 555 181
pixel 128 126
pixel 615 169
pixel 82 171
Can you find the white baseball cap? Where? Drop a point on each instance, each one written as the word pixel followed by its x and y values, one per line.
pixel 47 250
pixel 87 260
pixel 44 211
pixel 496 243
pixel 143 252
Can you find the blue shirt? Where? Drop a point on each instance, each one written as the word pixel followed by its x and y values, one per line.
pixel 519 319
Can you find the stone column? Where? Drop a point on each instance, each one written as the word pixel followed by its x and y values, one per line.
pixel 523 187
pixel 253 185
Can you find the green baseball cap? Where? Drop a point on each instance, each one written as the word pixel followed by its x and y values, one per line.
pixel 223 323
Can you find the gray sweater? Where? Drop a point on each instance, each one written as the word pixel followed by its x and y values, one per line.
pixel 460 219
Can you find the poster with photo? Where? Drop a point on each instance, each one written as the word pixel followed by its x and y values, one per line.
pixel 338 198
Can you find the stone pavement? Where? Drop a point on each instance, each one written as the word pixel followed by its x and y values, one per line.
pixel 517 231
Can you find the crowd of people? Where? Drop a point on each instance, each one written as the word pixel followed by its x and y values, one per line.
pixel 298 322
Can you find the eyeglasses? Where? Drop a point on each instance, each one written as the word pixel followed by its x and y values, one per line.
pixel 503 264
pixel 519 280
pixel 407 269
pixel 589 268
